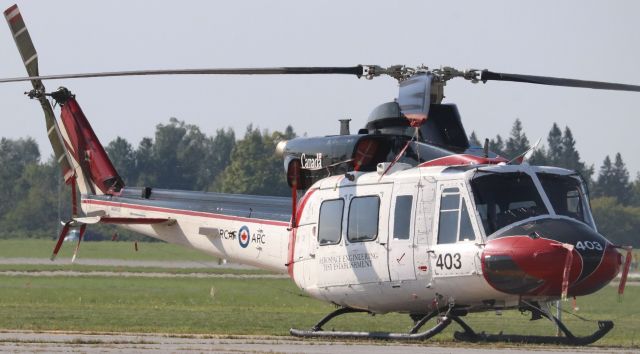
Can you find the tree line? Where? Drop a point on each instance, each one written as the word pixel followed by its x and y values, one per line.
pixel 181 156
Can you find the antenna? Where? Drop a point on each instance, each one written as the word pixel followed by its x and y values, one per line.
pixel 485 150
pixel 344 126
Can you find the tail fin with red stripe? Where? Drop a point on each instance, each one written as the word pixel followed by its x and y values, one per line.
pixel 95 173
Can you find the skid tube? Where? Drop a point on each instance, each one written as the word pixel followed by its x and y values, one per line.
pixel 469 335
pixel 317 332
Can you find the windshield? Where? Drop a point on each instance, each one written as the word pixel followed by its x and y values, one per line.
pixel 505 198
pixel 564 195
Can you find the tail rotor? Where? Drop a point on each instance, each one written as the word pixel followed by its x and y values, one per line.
pixel 30 60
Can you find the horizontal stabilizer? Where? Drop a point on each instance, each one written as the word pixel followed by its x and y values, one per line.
pixel 134 221
pixel 119 220
pixel 88 220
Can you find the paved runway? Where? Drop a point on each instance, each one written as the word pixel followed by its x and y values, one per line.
pixel 63 342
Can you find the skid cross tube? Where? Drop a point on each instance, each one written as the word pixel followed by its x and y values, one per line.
pixel 317 331
pixel 336 313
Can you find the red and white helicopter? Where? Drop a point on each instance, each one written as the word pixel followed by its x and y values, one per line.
pixel 404 216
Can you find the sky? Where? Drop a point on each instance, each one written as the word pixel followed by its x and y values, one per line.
pixel 591 40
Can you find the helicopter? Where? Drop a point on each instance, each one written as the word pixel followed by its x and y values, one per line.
pixel 404 216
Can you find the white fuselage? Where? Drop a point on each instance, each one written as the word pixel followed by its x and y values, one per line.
pixel 379 248
pixel 402 267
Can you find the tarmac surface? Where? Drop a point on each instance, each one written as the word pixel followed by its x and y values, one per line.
pixel 65 342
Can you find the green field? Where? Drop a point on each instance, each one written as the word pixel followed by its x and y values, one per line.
pixel 229 306
pixel 31 268
pixel 38 248
pixel 243 306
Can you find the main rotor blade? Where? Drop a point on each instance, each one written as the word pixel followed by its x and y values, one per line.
pixel 353 70
pixel 487 75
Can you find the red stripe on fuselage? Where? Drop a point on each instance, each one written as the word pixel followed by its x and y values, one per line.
pixel 292 234
pixel 184 212
pixel 462 159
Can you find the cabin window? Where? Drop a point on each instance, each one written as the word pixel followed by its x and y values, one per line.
pixel 402 217
pixel 330 224
pixel 363 219
pixel 564 194
pixel 454 224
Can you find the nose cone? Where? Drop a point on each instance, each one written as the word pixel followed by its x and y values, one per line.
pixel 529 259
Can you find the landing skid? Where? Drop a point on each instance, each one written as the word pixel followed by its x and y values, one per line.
pixel 468 335
pixel 317 332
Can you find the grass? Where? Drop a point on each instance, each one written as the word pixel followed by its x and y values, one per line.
pixel 256 306
pixel 228 306
pixel 40 248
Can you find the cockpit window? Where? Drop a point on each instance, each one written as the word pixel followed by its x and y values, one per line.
pixel 564 195
pixel 505 198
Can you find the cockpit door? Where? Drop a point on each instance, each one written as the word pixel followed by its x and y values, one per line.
pixel 456 238
pixel 401 232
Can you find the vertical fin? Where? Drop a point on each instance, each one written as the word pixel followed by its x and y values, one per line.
pixel 93 163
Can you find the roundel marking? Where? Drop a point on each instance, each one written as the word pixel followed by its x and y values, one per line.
pixel 244 236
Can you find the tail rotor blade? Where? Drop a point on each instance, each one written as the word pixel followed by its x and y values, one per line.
pixel 23 41
pixel 63 234
pixel 30 59
pixel 56 140
pixel 83 228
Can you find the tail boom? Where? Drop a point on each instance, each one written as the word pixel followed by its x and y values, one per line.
pixel 259 237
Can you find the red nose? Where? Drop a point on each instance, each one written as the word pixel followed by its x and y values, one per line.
pixel 526 265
